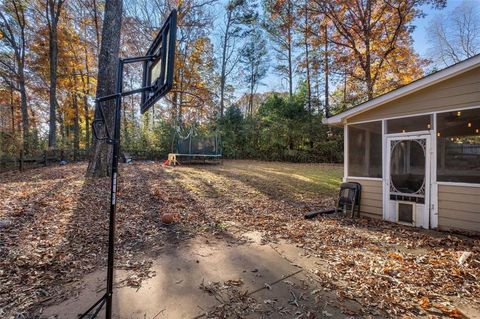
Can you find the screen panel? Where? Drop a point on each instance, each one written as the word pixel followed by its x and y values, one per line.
pixel 409 124
pixel 458 146
pixel 365 150
pixel 158 72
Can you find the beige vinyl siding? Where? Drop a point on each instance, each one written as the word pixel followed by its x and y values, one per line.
pixel 459 207
pixel 458 92
pixel 372 198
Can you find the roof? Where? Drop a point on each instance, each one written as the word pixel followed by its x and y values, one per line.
pixel 410 88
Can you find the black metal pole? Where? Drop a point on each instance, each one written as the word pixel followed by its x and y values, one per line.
pixel 115 141
pixel 113 201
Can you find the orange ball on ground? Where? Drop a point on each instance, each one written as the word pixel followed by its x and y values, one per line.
pixel 167 218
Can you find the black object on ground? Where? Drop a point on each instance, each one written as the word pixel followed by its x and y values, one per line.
pixel 315 213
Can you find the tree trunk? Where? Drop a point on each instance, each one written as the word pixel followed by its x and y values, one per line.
pixel 307 63
pixel 289 40
pixel 12 108
pixel 86 93
pixel 54 8
pixel 63 132
pixel 317 88
pixel 24 110
pixel 175 107
pixel 53 53
pixel 180 98
pixel 224 65
pixel 95 20
pixel 252 87
pixel 368 58
pixel 101 152
pixel 87 121
pixel 125 124
pixel 23 93
pixel 327 106
pixel 34 131
pixel 368 70
pixel 76 125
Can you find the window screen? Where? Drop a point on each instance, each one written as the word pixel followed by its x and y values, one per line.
pixel 407 167
pixel 409 124
pixel 365 149
pixel 458 146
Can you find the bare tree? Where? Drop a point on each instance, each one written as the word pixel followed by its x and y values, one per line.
pixel 279 24
pixel 305 25
pixel 456 36
pixel 12 67
pixel 254 62
pixel 101 152
pixel 238 13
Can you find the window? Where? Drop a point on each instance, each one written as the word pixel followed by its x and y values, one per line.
pixel 409 124
pixel 458 146
pixel 365 149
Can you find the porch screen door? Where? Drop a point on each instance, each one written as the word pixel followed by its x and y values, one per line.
pixel 407 186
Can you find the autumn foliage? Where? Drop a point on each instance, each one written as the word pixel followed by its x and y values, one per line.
pixel 334 53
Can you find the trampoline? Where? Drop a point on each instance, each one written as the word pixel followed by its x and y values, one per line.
pixel 195 148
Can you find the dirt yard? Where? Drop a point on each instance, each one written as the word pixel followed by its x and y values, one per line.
pixel 239 248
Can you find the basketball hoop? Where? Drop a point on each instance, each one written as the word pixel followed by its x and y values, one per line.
pixel 188 103
pixel 158 69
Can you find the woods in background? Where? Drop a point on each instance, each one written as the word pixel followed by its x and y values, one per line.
pixel 262 72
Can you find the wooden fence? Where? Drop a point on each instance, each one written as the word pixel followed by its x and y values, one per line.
pixel 55 156
pixel 144 155
pixel 24 161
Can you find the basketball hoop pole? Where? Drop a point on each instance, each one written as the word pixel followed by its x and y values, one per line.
pixel 162 50
pixel 113 190
pixel 115 141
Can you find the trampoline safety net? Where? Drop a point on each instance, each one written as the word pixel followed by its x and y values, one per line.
pixel 201 145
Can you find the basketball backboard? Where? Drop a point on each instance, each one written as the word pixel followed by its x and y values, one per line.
pixel 158 72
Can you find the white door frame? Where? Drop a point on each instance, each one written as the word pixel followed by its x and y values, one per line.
pixel 387 215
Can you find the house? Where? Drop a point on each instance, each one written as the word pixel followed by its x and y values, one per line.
pixel 416 150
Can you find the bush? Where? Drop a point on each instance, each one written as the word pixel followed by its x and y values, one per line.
pixel 282 130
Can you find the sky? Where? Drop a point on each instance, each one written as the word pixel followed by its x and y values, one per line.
pixel 420 35
pixel 420 38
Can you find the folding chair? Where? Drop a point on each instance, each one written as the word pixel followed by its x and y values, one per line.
pixel 349 199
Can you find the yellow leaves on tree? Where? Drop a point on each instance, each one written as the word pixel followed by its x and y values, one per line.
pixel 193 85
pixel 375 38
pixel 76 63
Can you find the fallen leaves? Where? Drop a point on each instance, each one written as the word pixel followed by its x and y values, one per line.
pixel 464 257
pixel 425 303
pixel 371 261
pixel 395 256
pixel 451 312
pixel 55 232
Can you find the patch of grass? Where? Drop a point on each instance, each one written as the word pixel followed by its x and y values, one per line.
pixel 292 177
pixel 298 184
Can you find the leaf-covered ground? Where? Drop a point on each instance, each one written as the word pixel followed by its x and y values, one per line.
pixel 53 232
